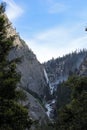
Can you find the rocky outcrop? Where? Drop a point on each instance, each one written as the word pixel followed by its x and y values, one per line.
pixel 32 72
pixel 36 110
pixel 83 68
pixel 33 80
pixel 60 69
pixel 32 76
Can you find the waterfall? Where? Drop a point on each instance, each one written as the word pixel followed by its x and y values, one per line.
pixel 48 82
pixel 46 76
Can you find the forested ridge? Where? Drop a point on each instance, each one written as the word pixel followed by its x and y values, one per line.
pixel 72 115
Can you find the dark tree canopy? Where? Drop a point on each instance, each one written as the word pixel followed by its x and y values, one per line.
pixel 13 116
pixel 73 116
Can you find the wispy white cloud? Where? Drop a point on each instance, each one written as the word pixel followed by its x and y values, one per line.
pixel 52 36
pixel 57 42
pixel 57 8
pixel 13 10
pixel 54 6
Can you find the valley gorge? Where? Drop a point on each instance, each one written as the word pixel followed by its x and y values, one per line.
pixel 41 83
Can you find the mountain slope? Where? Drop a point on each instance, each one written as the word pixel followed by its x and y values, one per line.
pixel 58 70
pixel 33 81
pixel 38 80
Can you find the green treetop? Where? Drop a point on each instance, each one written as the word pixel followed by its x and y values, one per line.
pixel 13 116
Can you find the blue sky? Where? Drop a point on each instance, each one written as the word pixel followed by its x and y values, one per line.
pixel 51 28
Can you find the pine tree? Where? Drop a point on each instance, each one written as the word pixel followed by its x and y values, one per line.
pixel 73 116
pixel 13 116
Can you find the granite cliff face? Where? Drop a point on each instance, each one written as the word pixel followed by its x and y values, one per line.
pixel 58 70
pixel 83 67
pixel 32 72
pixel 33 80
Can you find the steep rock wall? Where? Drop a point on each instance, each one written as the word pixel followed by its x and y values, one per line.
pixel 33 80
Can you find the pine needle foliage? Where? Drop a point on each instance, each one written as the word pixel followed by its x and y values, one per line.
pixel 13 116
